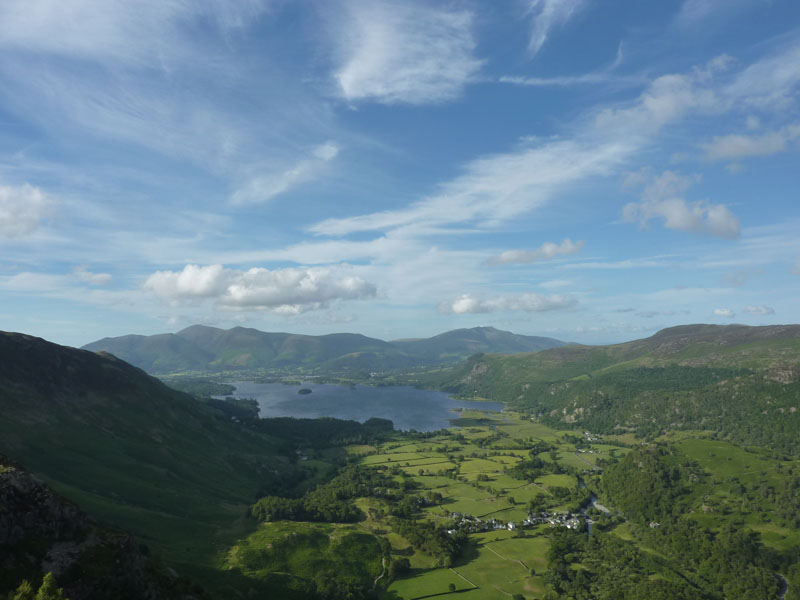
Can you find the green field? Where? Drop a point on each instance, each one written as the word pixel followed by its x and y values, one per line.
pixel 498 563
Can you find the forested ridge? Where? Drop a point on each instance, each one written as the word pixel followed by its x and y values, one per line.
pixel 741 382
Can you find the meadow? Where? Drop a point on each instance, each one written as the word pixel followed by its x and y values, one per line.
pixel 472 472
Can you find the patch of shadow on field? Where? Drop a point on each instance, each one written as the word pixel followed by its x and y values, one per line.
pixel 393 595
pixel 468 554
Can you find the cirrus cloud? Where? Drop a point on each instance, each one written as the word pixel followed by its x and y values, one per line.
pixel 548 14
pixel 265 187
pixel 287 291
pixel 404 53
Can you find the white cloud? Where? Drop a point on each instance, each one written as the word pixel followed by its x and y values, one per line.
pixel 727 313
pixel 495 188
pixel 768 84
pixel 164 75
pixel 759 310
pixel 22 209
pixel 469 304
pixel 32 282
pixel 282 291
pixel 649 314
pixel 753 122
pixel 737 146
pixel 262 188
pixel 601 77
pixel 114 30
pixel 404 52
pixel 556 283
pixel 666 99
pixel 697 217
pixel 546 251
pixel 547 15
pixel 661 199
pixel 83 274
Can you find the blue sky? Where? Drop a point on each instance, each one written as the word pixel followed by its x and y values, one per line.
pixel 591 171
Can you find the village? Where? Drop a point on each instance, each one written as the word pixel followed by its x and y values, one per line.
pixel 472 524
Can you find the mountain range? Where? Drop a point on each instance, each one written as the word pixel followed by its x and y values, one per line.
pixel 203 348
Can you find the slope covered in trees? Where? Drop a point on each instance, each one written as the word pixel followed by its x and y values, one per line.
pixel 743 382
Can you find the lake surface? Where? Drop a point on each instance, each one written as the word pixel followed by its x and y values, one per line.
pixel 406 407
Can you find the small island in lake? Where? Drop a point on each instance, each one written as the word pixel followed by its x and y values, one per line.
pixel 304 391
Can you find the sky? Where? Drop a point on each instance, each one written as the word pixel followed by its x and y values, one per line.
pixel 587 170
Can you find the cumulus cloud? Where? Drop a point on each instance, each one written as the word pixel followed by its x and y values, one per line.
pixel 662 199
pixel 288 291
pixel 547 15
pixel 546 251
pixel 265 187
pixel 404 52
pixel 83 274
pixel 529 302
pixel 22 209
pixel 724 312
pixel 759 310
pixel 737 146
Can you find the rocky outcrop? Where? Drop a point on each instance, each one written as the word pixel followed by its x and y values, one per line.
pixel 29 509
pixel 41 532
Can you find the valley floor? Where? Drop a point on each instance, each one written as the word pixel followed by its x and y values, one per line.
pixel 484 478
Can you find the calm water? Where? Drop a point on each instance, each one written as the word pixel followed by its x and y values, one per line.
pixel 406 407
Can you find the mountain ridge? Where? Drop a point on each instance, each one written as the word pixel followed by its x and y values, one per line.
pixel 205 348
pixel 738 379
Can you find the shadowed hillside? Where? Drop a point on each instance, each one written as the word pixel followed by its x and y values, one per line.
pixel 41 532
pixel 127 448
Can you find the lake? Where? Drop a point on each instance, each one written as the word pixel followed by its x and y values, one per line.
pixel 406 407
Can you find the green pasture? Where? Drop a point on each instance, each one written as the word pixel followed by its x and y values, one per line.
pixel 425 583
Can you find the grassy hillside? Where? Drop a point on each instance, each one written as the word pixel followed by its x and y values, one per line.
pixel 202 348
pixel 131 451
pixel 743 382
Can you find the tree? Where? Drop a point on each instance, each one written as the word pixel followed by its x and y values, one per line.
pixel 48 589
pixel 24 591
pixel 452 587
